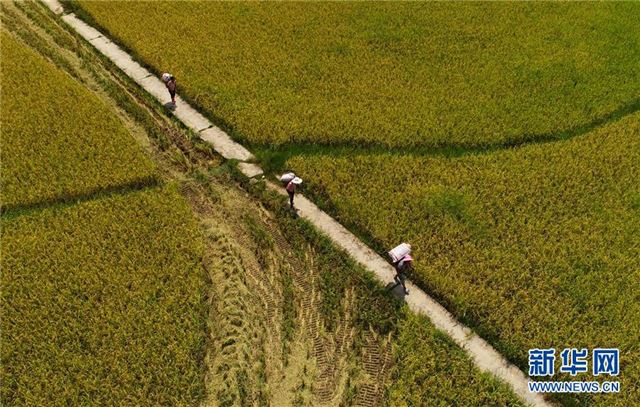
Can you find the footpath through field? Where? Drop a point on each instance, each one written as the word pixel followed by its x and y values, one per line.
pixel 483 355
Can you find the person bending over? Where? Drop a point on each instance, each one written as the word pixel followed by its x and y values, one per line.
pixel 170 82
pixel 403 266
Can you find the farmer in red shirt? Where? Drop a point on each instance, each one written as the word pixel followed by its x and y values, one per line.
pixel 291 189
pixel 170 82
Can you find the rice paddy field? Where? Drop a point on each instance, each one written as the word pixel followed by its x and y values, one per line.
pixel 59 141
pixel 385 356
pixel 103 284
pixel 539 245
pixel 103 303
pixel 392 74
pixel 119 292
pixel 431 370
pixel 500 139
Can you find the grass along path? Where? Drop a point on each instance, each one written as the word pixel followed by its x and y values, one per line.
pixel 484 355
pixel 183 112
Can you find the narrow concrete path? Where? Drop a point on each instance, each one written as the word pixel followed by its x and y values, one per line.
pixel 191 118
pixel 483 355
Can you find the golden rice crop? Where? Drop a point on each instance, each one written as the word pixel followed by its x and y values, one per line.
pixel 431 370
pixel 397 74
pixel 537 246
pixel 58 140
pixel 103 303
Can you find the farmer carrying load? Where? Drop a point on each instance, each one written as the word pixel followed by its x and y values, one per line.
pixel 402 262
pixel 170 82
pixel 290 181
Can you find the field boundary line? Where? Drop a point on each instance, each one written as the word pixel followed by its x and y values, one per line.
pixel 69 199
pixel 483 355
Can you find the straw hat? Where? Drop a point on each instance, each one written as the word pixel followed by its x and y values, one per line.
pixel 165 77
pixel 297 180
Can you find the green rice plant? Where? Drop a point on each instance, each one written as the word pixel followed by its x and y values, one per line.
pixel 59 142
pixel 392 74
pixel 103 303
pixel 537 246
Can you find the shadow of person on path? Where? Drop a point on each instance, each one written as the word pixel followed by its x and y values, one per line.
pixel 170 106
pixel 396 290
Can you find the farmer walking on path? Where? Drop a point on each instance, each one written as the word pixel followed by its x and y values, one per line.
pixel 290 181
pixel 170 82
pixel 402 262
pixel 291 189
